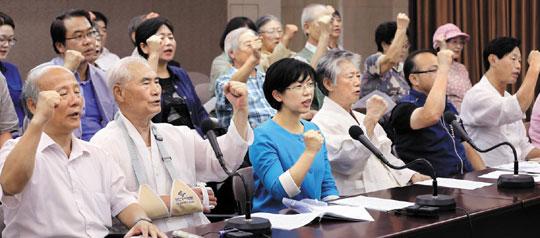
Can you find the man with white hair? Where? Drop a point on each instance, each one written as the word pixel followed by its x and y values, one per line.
pixel 243 47
pixel 316 23
pixel 355 168
pixel 55 185
pixel 158 155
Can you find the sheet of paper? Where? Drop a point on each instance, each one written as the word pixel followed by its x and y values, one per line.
pixel 524 166
pixel 497 173
pixel 379 204
pixel 288 222
pixel 358 213
pixel 456 183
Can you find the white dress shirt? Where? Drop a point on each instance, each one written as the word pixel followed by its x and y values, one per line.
pixel 490 118
pixel 355 168
pixel 66 197
pixel 106 59
pixel 192 158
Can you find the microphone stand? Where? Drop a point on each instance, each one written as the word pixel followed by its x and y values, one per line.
pixel 514 180
pixel 254 225
pixel 441 201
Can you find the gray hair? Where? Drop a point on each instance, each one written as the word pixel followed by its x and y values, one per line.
pixel 121 72
pixel 265 19
pixel 329 66
pixel 309 12
pixel 30 89
pixel 232 39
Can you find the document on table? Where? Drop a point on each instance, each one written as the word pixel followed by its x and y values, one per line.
pixel 455 183
pixel 379 204
pixel 524 166
pixel 495 175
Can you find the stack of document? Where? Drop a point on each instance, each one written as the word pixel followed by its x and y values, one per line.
pixel 524 166
pixel 497 173
pixel 379 204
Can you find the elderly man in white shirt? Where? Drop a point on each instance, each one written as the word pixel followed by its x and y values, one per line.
pixel 490 114
pixel 355 168
pixel 137 91
pixel 55 185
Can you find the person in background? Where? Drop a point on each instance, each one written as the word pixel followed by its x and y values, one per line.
pixel 355 169
pixel 9 70
pixel 243 46
pixel 8 117
pixel 222 63
pixel 492 115
pixel 74 40
pixel 336 31
pixel 55 185
pixel 383 71
pixel 458 77
pixel 275 40
pixel 288 154
pixel 180 104
pixel 316 21
pixel 105 58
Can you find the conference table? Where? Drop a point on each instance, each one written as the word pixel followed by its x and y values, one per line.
pixel 483 212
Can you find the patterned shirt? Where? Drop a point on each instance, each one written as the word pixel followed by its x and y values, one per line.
pixel 392 82
pixel 259 109
pixel 458 84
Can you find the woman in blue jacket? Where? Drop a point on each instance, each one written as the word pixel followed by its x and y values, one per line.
pixel 180 104
pixel 288 154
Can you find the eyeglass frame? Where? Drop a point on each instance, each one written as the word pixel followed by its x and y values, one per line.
pixel 272 31
pixel 425 71
pixel 92 34
pixel 302 86
pixel 11 42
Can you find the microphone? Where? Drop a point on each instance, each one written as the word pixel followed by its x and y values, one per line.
pixel 255 225
pixel 514 180
pixel 208 127
pixel 441 201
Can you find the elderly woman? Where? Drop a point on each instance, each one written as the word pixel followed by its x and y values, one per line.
pixel 180 104
pixel 458 77
pixel 354 167
pixel 243 48
pixel 9 70
pixel 275 41
pixel 287 147
pixel 132 141
pixel 222 63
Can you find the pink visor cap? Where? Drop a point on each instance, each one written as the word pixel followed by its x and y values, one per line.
pixel 448 31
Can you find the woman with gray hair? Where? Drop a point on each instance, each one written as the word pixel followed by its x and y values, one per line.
pixel 275 40
pixel 355 168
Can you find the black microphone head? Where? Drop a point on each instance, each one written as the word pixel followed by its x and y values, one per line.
pixel 355 131
pixel 449 117
pixel 207 125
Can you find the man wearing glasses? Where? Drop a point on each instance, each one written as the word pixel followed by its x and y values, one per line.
pixel 420 130
pixel 74 40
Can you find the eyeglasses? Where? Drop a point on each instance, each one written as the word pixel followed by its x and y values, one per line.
pixel 425 71
pixel 80 36
pixel 10 41
pixel 301 87
pixel 272 31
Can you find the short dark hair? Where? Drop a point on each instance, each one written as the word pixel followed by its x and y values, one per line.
pixel 282 74
pixel 410 65
pixel 58 29
pixel 6 20
pixel 385 32
pixel 499 47
pixel 101 17
pixel 147 29
pixel 234 24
